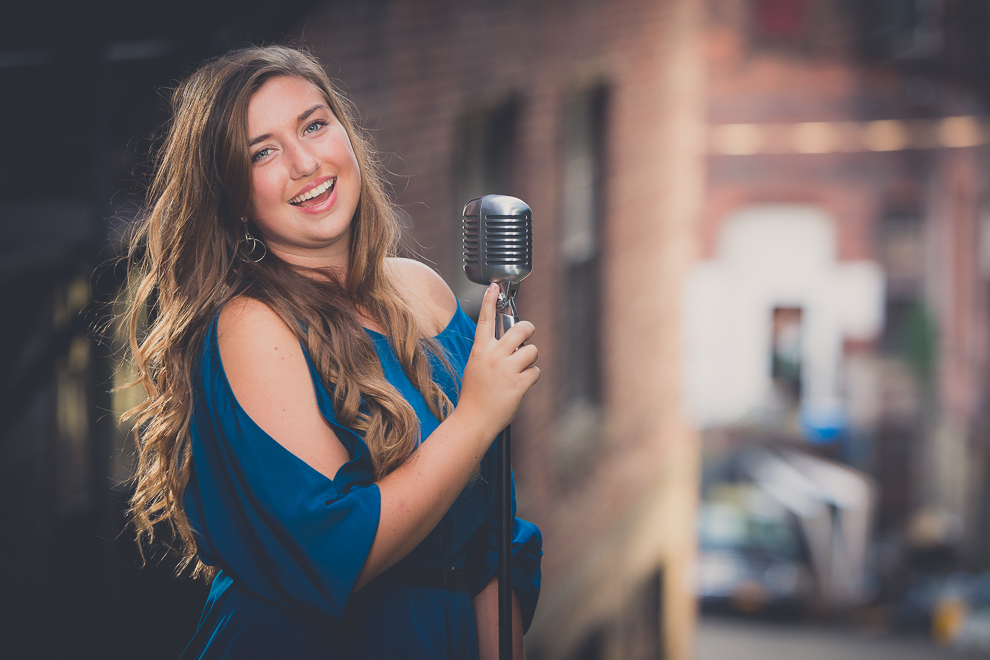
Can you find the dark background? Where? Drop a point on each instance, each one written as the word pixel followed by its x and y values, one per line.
pixel 85 89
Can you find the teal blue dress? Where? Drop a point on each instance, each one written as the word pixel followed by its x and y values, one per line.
pixel 290 543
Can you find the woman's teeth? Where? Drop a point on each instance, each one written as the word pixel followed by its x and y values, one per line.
pixel 318 190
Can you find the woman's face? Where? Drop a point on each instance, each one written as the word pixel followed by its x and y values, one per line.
pixel 305 180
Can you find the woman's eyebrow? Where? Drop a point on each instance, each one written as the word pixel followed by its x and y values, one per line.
pixel 307 113
pixel 260 138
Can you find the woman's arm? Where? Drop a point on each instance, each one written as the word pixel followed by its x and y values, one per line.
pixel 268 374
pixel 416 495
pixel 267 371
pixel 486 621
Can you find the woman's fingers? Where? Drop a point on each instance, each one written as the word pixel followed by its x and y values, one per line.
pixel 498 372
pixel 525 356
pixel 516 336
pixel 493 392
pixel 486 317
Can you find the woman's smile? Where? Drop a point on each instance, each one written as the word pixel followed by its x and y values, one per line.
pixel 315 194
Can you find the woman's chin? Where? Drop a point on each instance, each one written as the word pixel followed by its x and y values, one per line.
pixel 315 254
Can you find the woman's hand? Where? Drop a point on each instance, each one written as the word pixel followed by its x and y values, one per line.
pixel 499 371
pixel 416 495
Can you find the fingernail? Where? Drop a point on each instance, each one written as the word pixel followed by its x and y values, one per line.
pixel 493 287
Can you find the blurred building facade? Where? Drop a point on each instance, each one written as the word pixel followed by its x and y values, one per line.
pixel 592 113
pixel 843 237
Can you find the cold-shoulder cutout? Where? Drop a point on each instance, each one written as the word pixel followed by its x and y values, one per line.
pixel 425 291
pixel 269 376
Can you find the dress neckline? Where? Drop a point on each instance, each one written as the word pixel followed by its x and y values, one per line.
pixel 447 328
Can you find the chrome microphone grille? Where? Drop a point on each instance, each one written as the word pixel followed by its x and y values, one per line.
pixel 498 239
pixel 472 238
pixel 508 240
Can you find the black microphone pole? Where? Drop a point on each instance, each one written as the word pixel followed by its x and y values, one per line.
pixel 504 497
pixel 498 247
pixel 504 320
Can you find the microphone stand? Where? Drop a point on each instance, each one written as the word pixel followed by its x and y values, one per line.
pixel 498 247
pixel 505 318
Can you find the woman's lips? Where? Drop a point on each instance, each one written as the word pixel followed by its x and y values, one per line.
pixel 321 202
pixel 309 199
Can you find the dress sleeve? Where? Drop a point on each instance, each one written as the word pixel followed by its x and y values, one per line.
pixel 281 528
pixel 527 549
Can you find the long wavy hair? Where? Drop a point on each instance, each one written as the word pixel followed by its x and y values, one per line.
pixel 188 259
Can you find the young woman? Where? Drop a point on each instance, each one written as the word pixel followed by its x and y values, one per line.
pixel 320 414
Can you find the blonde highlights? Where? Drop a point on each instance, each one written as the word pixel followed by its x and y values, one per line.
pixel 189 260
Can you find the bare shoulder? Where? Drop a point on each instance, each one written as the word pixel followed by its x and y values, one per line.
pixel 430 297
pixel 269 376
pixel 242 318
pixel 249 333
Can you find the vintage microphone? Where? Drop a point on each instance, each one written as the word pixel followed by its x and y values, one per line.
pixel 498 247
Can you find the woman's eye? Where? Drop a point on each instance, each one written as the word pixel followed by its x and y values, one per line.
pixel 315 126
pixel 261 154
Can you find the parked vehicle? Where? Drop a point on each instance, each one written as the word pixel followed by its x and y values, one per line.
pixel 778 529
pixel 751 556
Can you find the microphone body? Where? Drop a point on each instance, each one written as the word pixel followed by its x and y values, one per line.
pixel 498 247
pixel 498 240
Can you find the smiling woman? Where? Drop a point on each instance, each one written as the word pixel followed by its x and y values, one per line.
pixel 316 415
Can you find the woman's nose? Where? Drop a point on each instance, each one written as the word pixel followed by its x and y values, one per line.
pixel 303 161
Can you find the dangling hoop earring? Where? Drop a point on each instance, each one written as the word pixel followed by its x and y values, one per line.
pixel 253 244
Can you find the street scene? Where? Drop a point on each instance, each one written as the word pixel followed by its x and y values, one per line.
pixel 760 285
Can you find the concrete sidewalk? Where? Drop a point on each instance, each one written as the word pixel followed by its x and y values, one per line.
pixel 725 638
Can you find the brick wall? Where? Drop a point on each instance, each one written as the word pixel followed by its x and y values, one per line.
pixel 413 69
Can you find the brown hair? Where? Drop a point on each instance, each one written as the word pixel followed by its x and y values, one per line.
pixel 189 259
